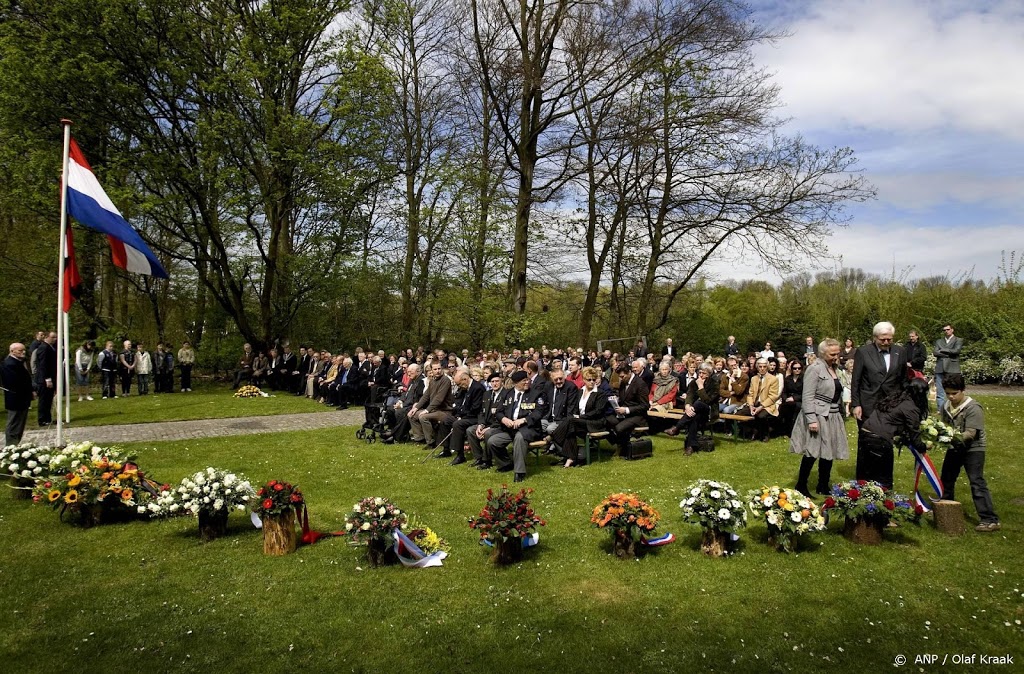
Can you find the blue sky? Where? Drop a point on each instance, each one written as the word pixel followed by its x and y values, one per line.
pixel 930 95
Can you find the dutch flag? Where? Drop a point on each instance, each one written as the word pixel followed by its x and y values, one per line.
pixel 90 205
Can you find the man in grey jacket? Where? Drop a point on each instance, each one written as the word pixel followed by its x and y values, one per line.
pixel 947 360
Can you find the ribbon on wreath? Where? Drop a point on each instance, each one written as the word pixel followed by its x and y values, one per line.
pixel 926 467
pixel 660 540
pixel 410 554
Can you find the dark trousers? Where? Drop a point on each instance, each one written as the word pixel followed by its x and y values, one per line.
pixel 109 378
pixel 45 412
pixel 126 381
pixel 974 464
pixel 186 377
pixel 457 428
pixel 240 376
pixel 623 430
pixel 695 424
pixel 144 384
pixel 16 420
pixel 167 381
pixel 568 434
pixel 874 459
pixel 762 424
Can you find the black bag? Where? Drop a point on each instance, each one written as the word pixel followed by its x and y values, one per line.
pixel 640 449
pixel 705 443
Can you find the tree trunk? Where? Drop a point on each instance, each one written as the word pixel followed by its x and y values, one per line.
pixel 279 537
pixel 949 517
pixel 714 543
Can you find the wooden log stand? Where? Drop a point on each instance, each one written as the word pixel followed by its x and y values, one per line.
pixel 212 524
pixel 279 537
pixel 714 543
pixel 949 517
pixel 508 551
pixel 624 546
pixel 864 531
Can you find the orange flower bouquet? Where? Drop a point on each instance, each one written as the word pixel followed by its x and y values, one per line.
pixel 629 519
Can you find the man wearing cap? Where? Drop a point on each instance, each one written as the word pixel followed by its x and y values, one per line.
pixel 486 422
pixel 465 410
pixel 519 424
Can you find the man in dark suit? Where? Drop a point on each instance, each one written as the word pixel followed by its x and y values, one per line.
pixel 640 351
pixel 380 378
pixel 18 394
pixel 633 402
pixel 519 420
pixel 287 368
pixel 398 415
pixel 947 361
pixel 46 378
pixel 916 354
pixel 879 368
pixel 469 400
pixel 564 398
pixel 669 350
pixel 349 384
pixel 487 422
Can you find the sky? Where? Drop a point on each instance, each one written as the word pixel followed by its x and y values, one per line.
pixel 930 96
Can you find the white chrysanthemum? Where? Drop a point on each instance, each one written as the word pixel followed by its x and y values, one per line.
pixel 356 508
pixel 767 501
pixel 730 492
pixel 714 484
pixel 772 519
pixel 695 491
pixel 714 493
pixel 215 486
pixel 142 510
pixel 199 479
pixel 724 514
pixel 735 503
pixel 795 516
pixel 31 464
pixel 206 499
pixel 229 479
pixel 37 470
pixel 218 504
pixel 14 467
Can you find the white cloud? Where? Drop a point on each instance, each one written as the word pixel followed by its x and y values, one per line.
pixel 903 66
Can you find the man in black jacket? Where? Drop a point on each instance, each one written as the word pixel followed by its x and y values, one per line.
pixel 916 354
pixel 469 400
pixel 564 399
pixel 18 394
pixel 633 403
pixel 519 421
pixel 46 378
pixel 398 415
pixel 487 422
pixel 879 368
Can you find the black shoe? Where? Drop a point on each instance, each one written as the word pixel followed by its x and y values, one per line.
pixel 484 466
pixel 457 460
pixel 505 469
pixel 476 462
pixel 520 477
pixel 387 441
pixel 823 491
pixel 444 455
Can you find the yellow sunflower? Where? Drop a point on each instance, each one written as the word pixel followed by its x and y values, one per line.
pixel 54 495
pixel 71 496
pixel 75 481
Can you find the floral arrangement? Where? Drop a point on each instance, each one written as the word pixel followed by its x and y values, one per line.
pixel 625 513
pixel 713 505
pixel 250 391
pixel 506 516
pixel 75 454
pixel 26 461
pixel 209 490
pixel 374 518
pixel 101 480
pixel 425 538
pixel 859 499
pixel 936 436
pixel 788 514
pixel 276 498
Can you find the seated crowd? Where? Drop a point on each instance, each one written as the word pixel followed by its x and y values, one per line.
pixel 497 405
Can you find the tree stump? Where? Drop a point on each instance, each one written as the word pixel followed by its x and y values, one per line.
pixel 714 543
pixel 508 551
pixel 379 553
pixel 22 487
pixel 212 524
pixel 949 517
pixel 279 537
pixel 623 544
pixel 864 531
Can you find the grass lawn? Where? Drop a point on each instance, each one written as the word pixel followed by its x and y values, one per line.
pixel 150 595
pixel 211 401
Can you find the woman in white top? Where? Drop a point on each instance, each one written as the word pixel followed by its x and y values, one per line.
pixel 84 357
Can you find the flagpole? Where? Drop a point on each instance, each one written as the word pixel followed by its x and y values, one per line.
pixel 61 339
pixel 67 367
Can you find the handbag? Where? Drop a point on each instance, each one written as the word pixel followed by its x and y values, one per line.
pixel 705 442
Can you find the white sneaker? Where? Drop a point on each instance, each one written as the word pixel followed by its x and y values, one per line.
pixel 88 397
pixel 79 398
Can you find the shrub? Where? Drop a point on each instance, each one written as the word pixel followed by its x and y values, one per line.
pixel 1012 371
pixel 979 370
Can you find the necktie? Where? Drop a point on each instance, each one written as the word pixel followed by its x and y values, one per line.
pixel 760 388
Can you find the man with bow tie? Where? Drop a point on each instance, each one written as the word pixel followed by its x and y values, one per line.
pixel 879 368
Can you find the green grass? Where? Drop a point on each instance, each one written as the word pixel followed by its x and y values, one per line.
pixel 151 595
pixel 212 401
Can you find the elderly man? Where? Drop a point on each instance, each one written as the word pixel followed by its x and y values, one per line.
pixel 18 393
pixel 632 404
pixel 46 378
pixel 487 423
pixel 397 411
pixel 947 360
pixel 564 399
pixel 879 368
pixel 244 371
pixel 432 406
pixel 519 424
pixel 763 399
pixel 469 399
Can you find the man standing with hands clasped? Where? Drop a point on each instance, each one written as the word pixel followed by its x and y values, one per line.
pixel 879 368
pixel 18 393
pixel 947 361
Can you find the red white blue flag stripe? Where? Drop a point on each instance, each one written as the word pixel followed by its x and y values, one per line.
pixel 925 466
pixel 90 205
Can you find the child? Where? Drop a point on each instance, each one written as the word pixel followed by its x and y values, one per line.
pixel 966 415
pixel 845 377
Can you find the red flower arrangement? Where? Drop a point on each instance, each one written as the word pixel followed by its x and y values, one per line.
pixel 506 516
pixel 276 497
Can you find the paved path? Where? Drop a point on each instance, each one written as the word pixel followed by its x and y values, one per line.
pixel 201 428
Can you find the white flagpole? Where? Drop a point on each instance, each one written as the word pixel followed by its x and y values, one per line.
pixel 67 369
pixel 61 345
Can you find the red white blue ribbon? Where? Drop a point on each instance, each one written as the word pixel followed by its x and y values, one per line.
pixel 660 540
pixel 925 466
pixel 410 555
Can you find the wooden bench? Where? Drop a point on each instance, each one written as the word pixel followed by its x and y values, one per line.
pixel 535 448
pixel 596 439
